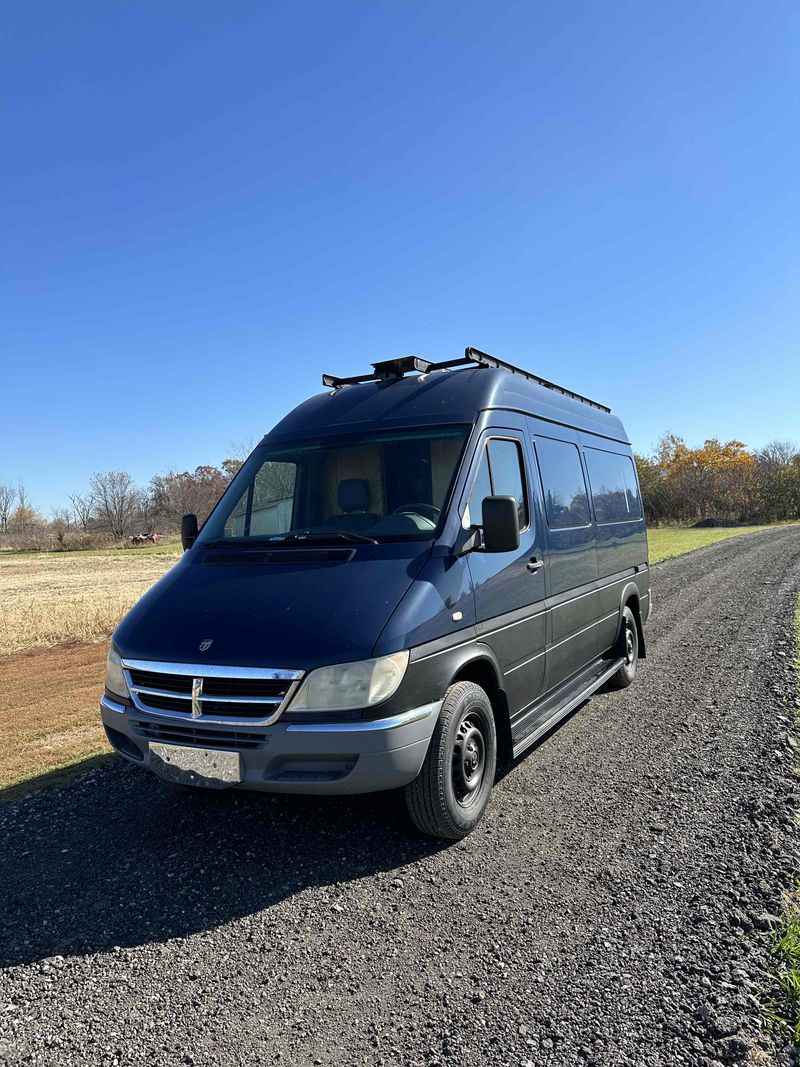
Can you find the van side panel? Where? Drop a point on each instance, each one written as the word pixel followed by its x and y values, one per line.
pixel 572 601
pixel 438 603
pixel 621 543
pixel 572 551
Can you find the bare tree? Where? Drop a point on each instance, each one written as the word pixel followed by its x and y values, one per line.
pixel 237 454
pixel 83 506
pixel 61 517
pixel 23 503
pixel 60 525
pixel 117 500
pixel 777 454
pixel 174 494
pixel 24 516
pixel 240 450
pixel 8 497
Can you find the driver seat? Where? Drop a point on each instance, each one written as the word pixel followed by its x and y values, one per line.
pixel 352 496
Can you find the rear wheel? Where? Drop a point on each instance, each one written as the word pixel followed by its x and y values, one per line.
pixel 628 648
pixel 451 792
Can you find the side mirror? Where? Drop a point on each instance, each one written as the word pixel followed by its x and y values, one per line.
pixel 500 524
pixel 188 530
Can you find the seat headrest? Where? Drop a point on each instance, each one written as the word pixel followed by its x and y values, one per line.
pixel 353 495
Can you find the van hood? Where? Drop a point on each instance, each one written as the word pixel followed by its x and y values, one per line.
pixel 283 615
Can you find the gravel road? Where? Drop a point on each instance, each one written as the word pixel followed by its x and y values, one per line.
pixel 612 908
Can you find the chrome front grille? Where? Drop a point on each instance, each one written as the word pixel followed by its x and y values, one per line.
pixel 181 684
pixel 208 692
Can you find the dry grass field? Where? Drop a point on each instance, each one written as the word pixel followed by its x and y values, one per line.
pixel 57 597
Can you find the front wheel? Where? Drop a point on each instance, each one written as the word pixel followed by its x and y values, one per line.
pixel 629 650
pixel 451 792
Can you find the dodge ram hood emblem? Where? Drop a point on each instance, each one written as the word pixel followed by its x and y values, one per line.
pixel 206 645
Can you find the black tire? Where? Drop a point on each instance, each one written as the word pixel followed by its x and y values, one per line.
pixel 451 792
pixel 628 648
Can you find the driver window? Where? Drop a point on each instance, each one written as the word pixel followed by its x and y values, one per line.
pixel 500 474
pixel 505 461
pixel 481 488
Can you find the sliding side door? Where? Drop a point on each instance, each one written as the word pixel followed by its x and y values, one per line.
pixel 572 601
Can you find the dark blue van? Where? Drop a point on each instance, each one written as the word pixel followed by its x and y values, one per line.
pixel 415 574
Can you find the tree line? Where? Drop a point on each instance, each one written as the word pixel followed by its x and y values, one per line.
pixel 680 485
pixel 720 480
pixel 113 508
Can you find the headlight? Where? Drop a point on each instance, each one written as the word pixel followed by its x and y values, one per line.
pixel 351 685
pixel 115 677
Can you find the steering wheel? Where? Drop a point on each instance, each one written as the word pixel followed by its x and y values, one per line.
pixel 418 509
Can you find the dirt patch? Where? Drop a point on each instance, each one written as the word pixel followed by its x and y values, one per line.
pixel 48 709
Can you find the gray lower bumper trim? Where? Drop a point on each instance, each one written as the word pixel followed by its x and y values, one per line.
pixel 343 757
pixel 405 718
pixel 112 705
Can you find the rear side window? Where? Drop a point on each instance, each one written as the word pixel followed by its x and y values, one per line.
pixel 614 489
pixel 565 497
pixel 500 474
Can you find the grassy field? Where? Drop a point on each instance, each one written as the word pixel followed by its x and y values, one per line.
pixel 55 610
pixel 674 541
pixel 139 550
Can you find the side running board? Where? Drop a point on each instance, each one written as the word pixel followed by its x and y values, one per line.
pixel 560 703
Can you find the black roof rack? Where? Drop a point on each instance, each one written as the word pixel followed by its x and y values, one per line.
pixel 383 371
pixel 390 369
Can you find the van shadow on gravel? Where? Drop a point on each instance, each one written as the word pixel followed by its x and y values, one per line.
pixel 116 858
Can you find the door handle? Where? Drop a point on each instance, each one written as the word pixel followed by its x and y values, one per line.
pixel 535 564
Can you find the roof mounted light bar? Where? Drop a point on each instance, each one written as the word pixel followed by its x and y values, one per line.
pixel 393 369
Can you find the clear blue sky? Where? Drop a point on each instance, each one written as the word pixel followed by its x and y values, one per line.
pixel 205 205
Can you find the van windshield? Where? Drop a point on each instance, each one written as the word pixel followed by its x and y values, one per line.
pixel 373 487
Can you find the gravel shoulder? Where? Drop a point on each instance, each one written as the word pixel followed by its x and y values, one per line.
pixel 612 908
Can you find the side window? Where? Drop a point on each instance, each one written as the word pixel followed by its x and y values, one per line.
pixel 565 497
pixel 505 462
pixel 500 474
pixel 632 487
pixel 614 489
pixel 481 488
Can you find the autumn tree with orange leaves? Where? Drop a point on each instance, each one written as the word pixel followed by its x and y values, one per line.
pixel 721 480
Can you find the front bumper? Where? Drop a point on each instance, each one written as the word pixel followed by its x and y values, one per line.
pixel 287 757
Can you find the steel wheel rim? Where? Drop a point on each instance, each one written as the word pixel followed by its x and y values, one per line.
pixel 469 759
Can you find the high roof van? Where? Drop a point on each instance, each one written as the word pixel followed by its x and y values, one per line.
pixel 413 576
